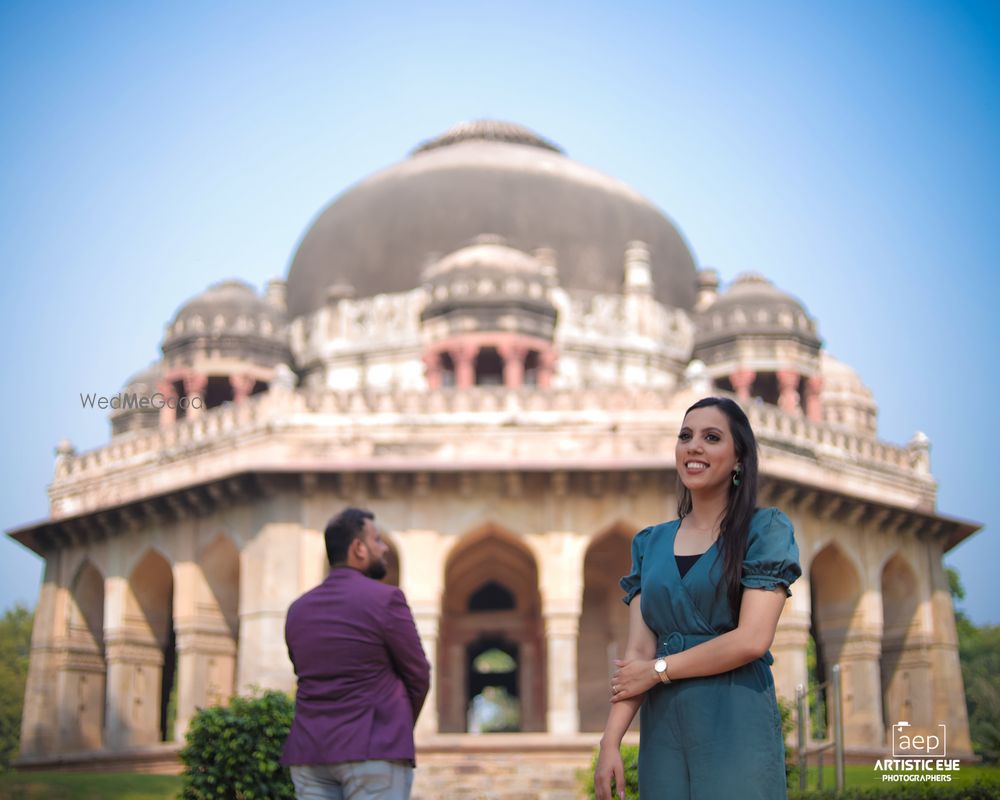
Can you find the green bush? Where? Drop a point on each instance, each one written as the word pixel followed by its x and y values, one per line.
pixel 233 752
pixel 15 645
pixel 630 758
pixel 982 789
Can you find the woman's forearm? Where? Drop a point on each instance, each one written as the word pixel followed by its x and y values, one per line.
pixel 721 654
pixel 619 718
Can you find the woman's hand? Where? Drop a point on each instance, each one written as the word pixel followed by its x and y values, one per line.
pixel 609 765
pixel 632 678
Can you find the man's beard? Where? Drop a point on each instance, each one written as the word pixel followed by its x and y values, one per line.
pixel 376 569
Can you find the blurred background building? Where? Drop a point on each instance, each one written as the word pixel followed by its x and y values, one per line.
pixel 491 346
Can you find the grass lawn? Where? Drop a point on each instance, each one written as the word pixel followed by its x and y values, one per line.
pixel 862 776
pixel 88 786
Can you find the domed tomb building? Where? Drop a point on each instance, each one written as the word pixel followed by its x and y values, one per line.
pixel 491 346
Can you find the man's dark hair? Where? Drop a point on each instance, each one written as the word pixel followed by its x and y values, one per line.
pixel 342 530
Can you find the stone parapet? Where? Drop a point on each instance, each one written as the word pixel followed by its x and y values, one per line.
pixel 429 429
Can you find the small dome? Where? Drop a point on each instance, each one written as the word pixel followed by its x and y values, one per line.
pixel 489 286
pixel 753 305
pixel 847 401
pixel 487 254
pixel 136 410
pixel 231 310
pixel 145 380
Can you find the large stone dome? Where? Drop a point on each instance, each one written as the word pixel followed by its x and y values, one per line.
pixel 485 177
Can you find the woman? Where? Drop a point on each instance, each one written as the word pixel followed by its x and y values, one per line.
pixel 712 585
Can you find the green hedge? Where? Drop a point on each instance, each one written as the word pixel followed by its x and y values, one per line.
pixel 982 789
pixel 233 752
pixel 630 758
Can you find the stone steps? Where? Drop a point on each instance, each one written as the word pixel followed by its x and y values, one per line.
pixel 502 767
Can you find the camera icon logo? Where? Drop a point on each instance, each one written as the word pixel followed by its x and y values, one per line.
pixel 906 743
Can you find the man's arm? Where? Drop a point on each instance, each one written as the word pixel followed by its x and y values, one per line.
pixel 406 651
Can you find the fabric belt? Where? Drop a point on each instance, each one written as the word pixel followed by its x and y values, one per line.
pixel 676 642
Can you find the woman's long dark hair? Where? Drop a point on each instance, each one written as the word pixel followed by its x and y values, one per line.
pixel 735 526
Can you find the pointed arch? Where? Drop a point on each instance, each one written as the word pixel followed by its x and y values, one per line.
pixel 220 564
pixel 835 587
pixel 81 680
pixel 905 662
pixel 603 621
pixel 487 565
pixel 85 620
pixel 149 620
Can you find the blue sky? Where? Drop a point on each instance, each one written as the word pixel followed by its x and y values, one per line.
pixel 846 150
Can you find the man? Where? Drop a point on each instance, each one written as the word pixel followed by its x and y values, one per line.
pixel 362 673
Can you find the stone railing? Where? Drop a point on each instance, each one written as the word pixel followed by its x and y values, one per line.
pixel 282 409
pixel 771 423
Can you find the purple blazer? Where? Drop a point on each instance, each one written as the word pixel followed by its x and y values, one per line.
pixel 362 672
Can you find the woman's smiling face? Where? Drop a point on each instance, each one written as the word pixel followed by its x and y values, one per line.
pixel 706 452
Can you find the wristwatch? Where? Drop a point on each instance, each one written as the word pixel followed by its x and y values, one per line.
pixel 660 666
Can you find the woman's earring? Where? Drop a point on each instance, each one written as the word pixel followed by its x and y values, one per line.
pixel 737 476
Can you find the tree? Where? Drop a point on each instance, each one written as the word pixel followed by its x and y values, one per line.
pixel 15 645
pixel 979 654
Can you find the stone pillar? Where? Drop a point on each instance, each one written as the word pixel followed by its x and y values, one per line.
pixel 428 626
pixel 908 690
pixel 742 381
pixel 858 650
pixel 422 556
pixel 948 689
pixel 194 388
pixel 546 367
pixel 513 356
pixel 463 356
pixel 135 669
pixel 80 667
pixel 432 368
pixel 168 411
pixel 561 634
pixel 206 668
pixel 80 686
pixel 242 384
pixel 814 395
pixel 560 560
pixel 273 572
pixel 788 390
pixel 790 642
pixel 38 720
pixel 206 649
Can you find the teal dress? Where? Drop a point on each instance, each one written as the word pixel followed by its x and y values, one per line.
pixel 718 736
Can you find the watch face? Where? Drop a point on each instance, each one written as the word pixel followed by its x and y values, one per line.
pixel 660 665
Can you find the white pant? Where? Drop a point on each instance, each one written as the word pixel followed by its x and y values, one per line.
pixel 353 780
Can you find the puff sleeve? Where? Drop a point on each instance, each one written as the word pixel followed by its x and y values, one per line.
pixel 632 583
pixel 772 558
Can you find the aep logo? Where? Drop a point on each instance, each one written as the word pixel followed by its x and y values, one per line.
pixel 907 744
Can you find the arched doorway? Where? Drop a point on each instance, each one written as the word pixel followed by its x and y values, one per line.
pixel 491 604
pixel 82 681
pixel 603 624
pixel 906 663
pixel 839 632
pixel 152 658
pixel 493 679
